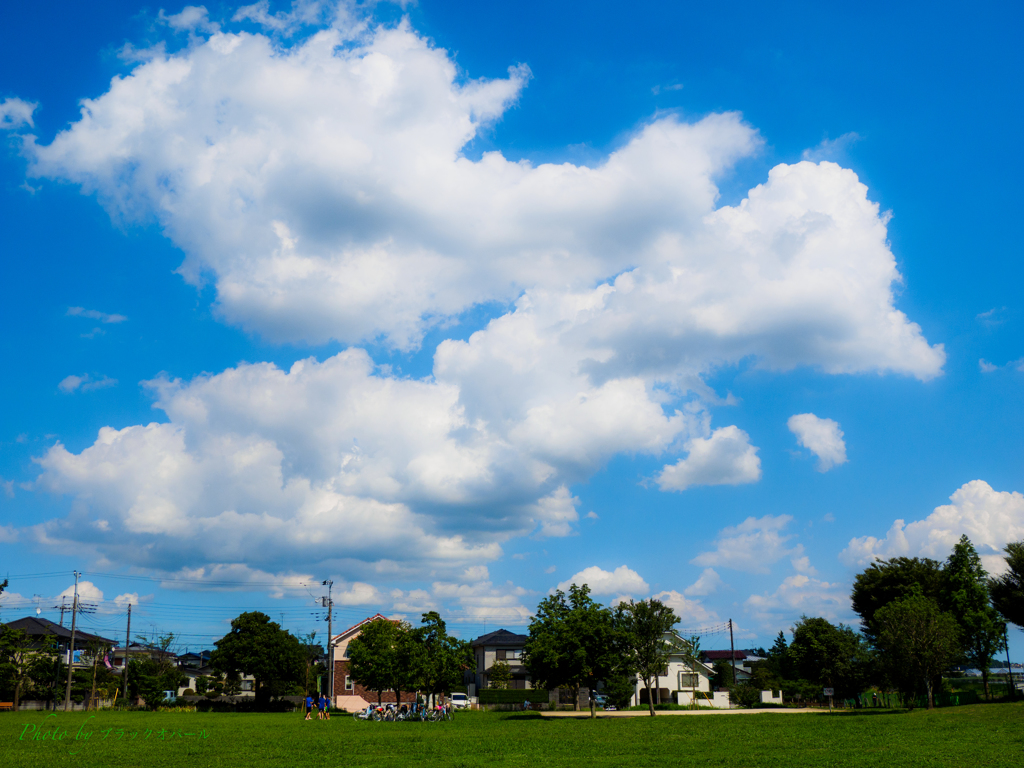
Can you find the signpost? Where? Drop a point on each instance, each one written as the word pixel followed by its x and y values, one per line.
pixel 830 692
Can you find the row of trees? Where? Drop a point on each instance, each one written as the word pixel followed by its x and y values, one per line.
pixel 392 655
pixel 575 642
pixel 919 618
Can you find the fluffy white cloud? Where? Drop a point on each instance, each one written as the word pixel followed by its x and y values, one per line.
pixel 725 458
pixel 621 581
pixel 708 583
pixel 478 599
pixel 989 518
pixel 87 593
pixel 798 595
pixel 692 613
pixel 323 187
pixel 822 437
pixel 753 545
pixel 15 113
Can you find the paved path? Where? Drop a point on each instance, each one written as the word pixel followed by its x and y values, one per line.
pixel 660 712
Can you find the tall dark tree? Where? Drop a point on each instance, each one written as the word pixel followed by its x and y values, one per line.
pixel 917 641
pixel 1008 590
pixel 779 662
pixel 884 581
pixel 259 647
pixel 646 639
pixel 571 642
pixel 966 592
pixel 441 659
pixel 831 656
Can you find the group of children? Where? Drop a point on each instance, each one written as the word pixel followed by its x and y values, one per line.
pixel 323 704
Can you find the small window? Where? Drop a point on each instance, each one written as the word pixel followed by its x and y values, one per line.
pixel 348 682
pixel 514 653
pixel 501 654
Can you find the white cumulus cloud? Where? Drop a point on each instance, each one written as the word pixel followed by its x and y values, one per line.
pixel 990 519
pixel 692 613
pixel 621 581
pixel 321 182
pixel 724 458
pixel 708 583
pixel 822 437
pixel 797 595
pixel 753 545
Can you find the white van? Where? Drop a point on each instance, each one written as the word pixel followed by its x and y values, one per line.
pixel 459 700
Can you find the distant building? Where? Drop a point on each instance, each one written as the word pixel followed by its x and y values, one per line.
pixel 500 645
pixel 41 630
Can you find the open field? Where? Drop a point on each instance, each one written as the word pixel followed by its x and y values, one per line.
pixel 979 735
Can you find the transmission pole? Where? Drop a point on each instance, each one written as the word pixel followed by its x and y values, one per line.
pixel 71 650
pixel 127 642
pixel 330 645
pixel 732 660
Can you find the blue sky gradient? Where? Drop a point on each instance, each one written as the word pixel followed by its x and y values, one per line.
pixel 921 101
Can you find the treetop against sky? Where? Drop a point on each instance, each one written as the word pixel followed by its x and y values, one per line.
pixel 456 305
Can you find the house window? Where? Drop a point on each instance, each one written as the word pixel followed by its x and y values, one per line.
pixel 688 680
pixel 509 653
pixel 348 682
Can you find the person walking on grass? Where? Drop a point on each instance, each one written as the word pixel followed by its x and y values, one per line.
pixel 322 705
pixel 309 706
pixel 327 708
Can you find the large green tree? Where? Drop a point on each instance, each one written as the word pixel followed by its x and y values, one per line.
pixel 646 640
pixel 572 642
pixel 259 647
pixel 917 641
pixel 440 659
pixel 374 656
pixel 967 598
pixel 831 656
pixel 1008 590
pixel 887 580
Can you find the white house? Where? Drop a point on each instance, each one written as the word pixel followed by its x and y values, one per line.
pixel 680 682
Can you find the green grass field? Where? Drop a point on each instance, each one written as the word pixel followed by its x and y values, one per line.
pixel 979 735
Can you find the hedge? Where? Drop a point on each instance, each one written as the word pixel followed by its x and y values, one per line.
pixel 513 696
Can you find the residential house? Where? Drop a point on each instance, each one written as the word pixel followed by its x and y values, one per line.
pixel 741 661
pixel 40 631
pixel 140 651
pixel 679 682
pixel 500 645
pixel 348 694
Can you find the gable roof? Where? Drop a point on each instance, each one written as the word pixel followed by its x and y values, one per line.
pixel 500 637
pixel 355 627
pixel 36 626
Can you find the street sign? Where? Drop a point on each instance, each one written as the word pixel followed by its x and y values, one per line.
pixel 830 692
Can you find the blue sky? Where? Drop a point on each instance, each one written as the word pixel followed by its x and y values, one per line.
pixel 366 191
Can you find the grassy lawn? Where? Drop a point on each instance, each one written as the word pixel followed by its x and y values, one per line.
pixel 979 735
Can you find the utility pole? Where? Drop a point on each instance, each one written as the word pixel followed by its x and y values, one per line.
pixel 732 659
pixel 71 649
pixel 127 642
pixel 329 604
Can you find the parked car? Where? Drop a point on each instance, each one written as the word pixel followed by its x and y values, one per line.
pixel 459 700
pixel 600 699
